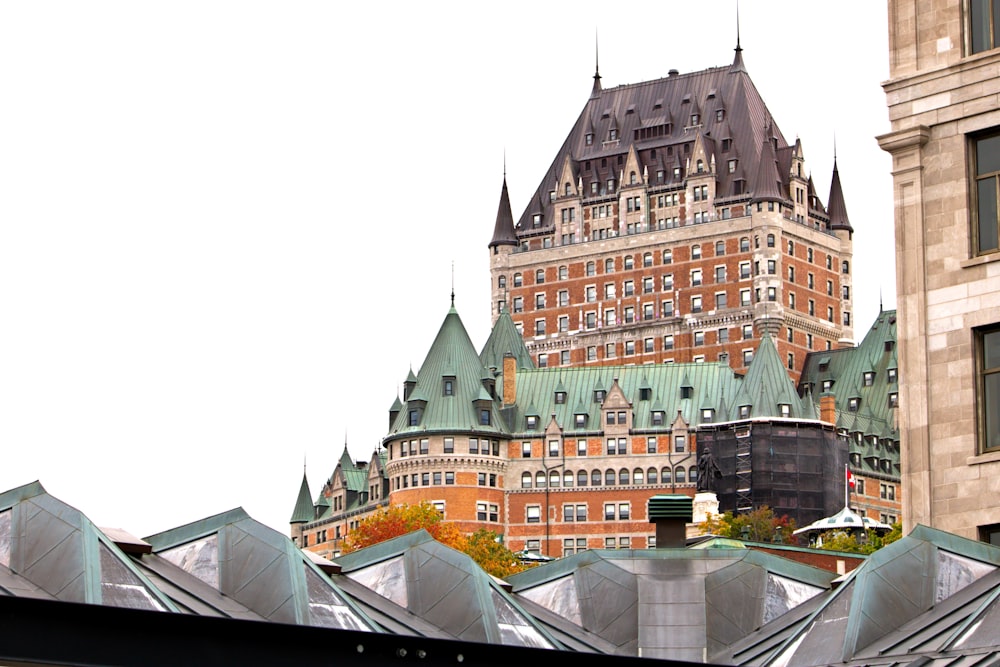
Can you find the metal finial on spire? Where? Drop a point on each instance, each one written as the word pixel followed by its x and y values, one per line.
pixel 596 92
pixel 738 48
pixel 452 283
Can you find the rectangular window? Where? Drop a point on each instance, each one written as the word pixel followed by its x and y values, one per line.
pixel 534 513
pixel 449 445
pixel 449 478
pixel 982 25
pixel 986 155
pixel 424 446
pixel 473 445
pixel 609 511
pixel 623 511
pixel 679 443
pixel 988 387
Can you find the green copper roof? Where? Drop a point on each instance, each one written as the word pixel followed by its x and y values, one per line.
pixel 505 339
pixel 303 512
pixel 452 359
pixel 767 386
pixel 862 373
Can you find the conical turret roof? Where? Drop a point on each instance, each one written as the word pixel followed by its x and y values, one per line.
pixel 303 512
pixel 836 207
pixel 503 230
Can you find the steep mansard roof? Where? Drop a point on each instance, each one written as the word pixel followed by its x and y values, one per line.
pixel 642 114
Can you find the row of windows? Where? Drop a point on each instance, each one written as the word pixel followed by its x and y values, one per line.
pixel 416 414
pixel 629 262
pixel 575 545
pixel 423 479
pixel 480 446
pixel 614 445
pixel 578 513
pixel 609 477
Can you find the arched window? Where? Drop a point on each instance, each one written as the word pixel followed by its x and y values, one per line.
pixel 581 478
pixel 554 478
pixel 623 477
pixel 744 244
pixel 525 480
pixel 595 478
pixel 609 265
pixel 680 475
pixel 651 476
pixel 665 476
pixel 517 280
pixel 609 477
pixel 693 474
pixel 540 479
pixel 502 282
pixel 637 476
pixel 568 478
pixel 631 178
pixel 700 164
pixel 569 189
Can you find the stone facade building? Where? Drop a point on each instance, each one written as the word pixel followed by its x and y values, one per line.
pixel 945 146
pixel 676 223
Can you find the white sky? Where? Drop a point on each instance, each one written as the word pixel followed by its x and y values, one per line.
pixel 227 228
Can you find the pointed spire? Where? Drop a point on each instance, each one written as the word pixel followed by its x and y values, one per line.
pixel 738 59
pixel 503 230
pixel 836 207
pixel 596 91
pixel 767 185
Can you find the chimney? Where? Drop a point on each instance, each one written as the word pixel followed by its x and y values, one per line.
pixel 828 408
pixel 509 379
pixel 670 513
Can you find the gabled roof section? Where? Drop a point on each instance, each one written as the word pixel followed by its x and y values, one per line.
pixel 304 511
pixel 837 208
pixel 767 185
pixel 411 571
pixel 260 568
pixel 504 338
pixel 58 552
pixel 451 357
pixel 503 230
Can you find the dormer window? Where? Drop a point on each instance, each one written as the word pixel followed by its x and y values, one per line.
pixel 827 385
pixel 611 185
pixel 599 395
pixel 560 397
pixel 414 416
pixel 589 139
pixel 785 410
pixel 613 135
pixel 853 404
pixel 868 378
pixel 531 422
pixel 581 420
pixel 720 114
pixel 732 166
pixel 448 386
pixel 552 195
pixel 484 417
pixel 695 119
pixel 893 399
pixel 891 375
pixel 536 219
pixel 657 418
pixel 744 412
pixel 707 414
pixel 686 392
pixel 645 394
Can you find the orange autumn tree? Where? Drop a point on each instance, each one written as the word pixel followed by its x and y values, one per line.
pixel 397 520
pixel 482 546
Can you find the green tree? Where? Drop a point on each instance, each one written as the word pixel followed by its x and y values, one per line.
pixel 484 547
pixel 839 540
pixel 759 525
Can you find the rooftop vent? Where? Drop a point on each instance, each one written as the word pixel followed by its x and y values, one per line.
pixel 670 514
pixel 673 73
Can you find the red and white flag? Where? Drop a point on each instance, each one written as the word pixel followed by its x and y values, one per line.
pixel 850 479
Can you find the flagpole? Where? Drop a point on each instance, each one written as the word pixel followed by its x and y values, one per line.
pixel 847 486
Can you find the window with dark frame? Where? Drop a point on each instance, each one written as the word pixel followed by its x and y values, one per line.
pixel 988 387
